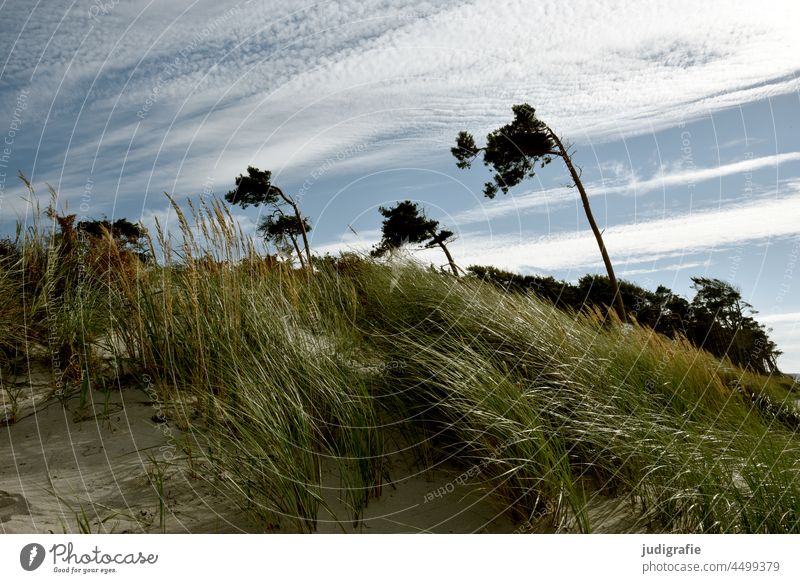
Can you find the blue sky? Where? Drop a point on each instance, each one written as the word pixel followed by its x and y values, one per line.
pixel 684 119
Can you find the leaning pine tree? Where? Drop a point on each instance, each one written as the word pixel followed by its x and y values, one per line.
pixel 256 188
pixel 406 223
pixel 513 152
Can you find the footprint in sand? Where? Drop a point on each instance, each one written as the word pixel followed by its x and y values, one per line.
pixel 11 504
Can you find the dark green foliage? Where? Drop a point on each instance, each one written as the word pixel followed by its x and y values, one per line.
pixel 284 231
pixel 120 229
pixel 8 249
pixel 254 189
pixel 404 223
pixel 561 293
pixel 439 238
pixel 465 150
pixel 661 310
pixel 716 320
pixel 671 313
pixel 512 151
pixel 277 227
pixel 721 322
pixel 127 235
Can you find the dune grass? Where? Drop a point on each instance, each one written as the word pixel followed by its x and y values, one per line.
pixel 566 406
pixel 286 375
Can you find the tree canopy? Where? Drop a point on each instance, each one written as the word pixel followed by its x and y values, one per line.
pixel 254 188
pixel 277 227
pixel 722 323
pixel 403 223
pixel 121 230
pixel 513 151
pixel 284 231
pixel 406 223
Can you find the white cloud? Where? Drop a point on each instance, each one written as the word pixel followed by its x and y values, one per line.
pixel 357 243
pixel 780 318
pixel 556 197
pixel 667 179
pixel 369 71
pixel 637 242
pixel 664 269
pixel 785 332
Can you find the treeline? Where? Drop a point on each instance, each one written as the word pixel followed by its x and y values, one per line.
pixel 717 319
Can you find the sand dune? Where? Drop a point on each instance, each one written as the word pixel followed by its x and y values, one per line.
pixel 56 464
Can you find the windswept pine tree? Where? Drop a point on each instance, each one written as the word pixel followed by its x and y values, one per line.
pixel 256 188
pixel 406 223
pixel 513 152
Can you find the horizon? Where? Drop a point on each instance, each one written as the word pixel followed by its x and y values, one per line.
pixel 685 128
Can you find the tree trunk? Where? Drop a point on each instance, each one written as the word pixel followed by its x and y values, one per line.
pixel 303 232
pixel 452 263
pixel 297 214
pixel 620 306
pixel 293 239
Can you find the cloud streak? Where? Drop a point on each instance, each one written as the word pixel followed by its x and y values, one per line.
pixel 676 236
pixel 551 198
pixel 784 318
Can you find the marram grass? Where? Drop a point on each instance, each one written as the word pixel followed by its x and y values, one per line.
pixel 285 376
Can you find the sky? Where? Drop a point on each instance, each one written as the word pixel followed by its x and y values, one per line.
pixel 682 116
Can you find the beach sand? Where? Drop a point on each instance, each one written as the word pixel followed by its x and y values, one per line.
pixel 99 467
pixel 58 464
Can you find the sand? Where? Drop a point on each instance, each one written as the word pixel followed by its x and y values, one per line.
pixel 98 466
pixel 57 464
